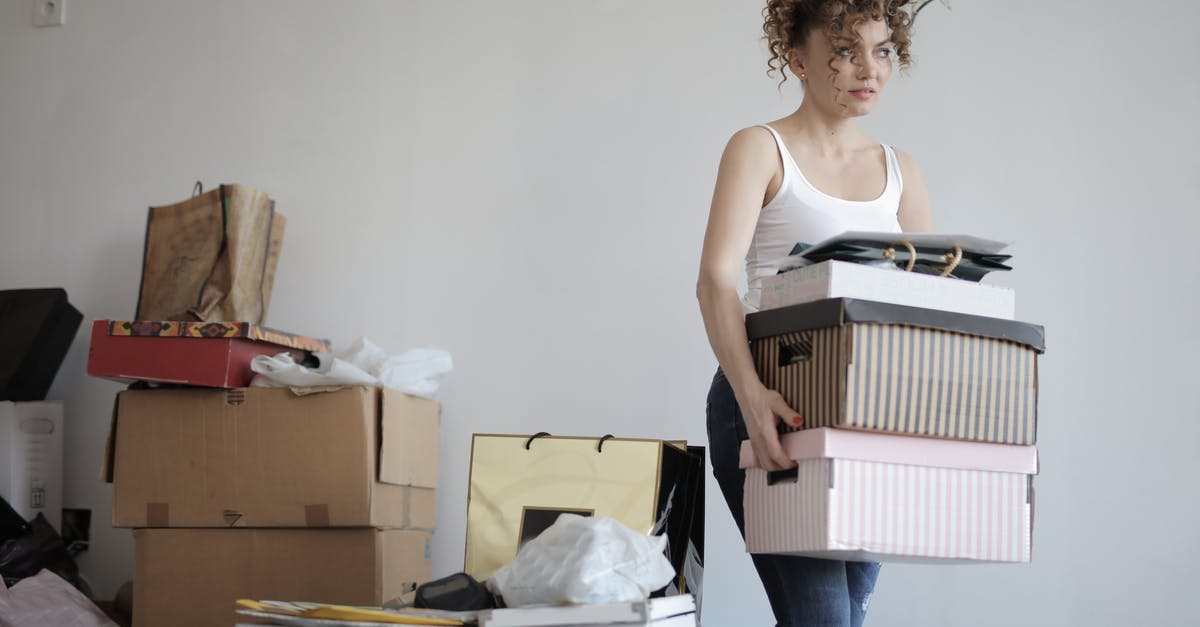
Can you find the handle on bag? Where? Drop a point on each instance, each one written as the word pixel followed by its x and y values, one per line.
pixel 889 253
pixel 600 444
pixel 534 437
pixel 952 258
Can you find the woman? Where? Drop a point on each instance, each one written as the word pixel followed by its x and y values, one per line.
pixel 803 178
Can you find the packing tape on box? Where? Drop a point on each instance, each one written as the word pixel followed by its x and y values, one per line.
pixel 158 515
pixel 316 515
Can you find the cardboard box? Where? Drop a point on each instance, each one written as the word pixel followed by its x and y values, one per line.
pixel 881 367
pixel 192 577
pixel 264 457
pixel 37 327
pixel 840 279
pixel 209 354
pixel 878 497
pixel 31 469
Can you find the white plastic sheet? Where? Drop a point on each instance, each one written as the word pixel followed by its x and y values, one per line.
pixel 584 560
pixel 362 363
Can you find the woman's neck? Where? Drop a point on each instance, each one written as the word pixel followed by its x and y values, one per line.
pixel 829 135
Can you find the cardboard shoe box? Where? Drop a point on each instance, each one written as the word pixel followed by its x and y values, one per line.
pixel 841 279
pixel 209 354
pixel 878 497
pixel 265 457
pixel 881 367
pixel 31 450
pixel 192 577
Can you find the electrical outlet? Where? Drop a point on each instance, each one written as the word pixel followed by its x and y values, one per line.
pixel 49 12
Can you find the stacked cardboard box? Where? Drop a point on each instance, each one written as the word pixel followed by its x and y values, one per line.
pixel 245 492
pixel 920 420
pixel 259 493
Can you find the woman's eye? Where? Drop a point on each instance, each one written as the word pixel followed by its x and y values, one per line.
pixel 844 52
pixel 884 53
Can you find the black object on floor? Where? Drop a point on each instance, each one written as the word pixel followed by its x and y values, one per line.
pixel 27 555
pixel 37 327
pixel 459 592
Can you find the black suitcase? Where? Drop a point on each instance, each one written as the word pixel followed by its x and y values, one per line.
pixel 37 327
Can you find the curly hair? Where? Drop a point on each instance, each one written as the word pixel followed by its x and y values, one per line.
pixel 787 23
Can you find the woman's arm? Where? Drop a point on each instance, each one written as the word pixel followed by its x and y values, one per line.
pixel 749 163
pixel 914 214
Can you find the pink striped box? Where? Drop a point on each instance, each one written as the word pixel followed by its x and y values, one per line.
pixel 879 497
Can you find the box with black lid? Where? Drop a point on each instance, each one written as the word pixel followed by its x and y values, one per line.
pixel 872 366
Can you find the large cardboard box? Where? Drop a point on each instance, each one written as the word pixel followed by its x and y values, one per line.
pixel 209 354
pixel 192 577
pixel 265 457
pixel 881 367
pixel 31 445
pixel 841 279
pixel 879 497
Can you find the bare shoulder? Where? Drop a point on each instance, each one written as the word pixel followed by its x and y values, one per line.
pixel 753 141
pixel 914 213
pixel 907 163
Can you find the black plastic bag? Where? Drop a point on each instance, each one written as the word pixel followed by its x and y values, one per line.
pixel 42 547
pixel 459 592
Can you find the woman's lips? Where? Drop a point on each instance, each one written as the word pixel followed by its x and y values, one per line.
pixel 863 94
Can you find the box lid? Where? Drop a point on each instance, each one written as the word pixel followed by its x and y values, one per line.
pixel 834 312
pixel 206 330
pixel 901 449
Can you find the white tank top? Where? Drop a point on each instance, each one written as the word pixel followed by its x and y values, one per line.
pixel 800 212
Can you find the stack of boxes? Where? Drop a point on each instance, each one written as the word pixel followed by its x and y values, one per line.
pixel 259 493
pixel 919 399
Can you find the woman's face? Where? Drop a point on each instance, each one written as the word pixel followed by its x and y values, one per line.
pixel 862 69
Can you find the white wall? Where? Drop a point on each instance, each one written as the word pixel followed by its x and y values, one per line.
pixel 526 184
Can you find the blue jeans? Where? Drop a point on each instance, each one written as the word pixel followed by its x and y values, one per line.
pixel 803 591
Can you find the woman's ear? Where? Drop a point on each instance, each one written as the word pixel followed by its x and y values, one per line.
pixel 796 63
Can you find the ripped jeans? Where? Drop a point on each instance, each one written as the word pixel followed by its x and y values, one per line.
pixel 803 591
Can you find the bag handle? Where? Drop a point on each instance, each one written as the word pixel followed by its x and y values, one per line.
pixel 543 434
pixel 952 257
pixel 889 253
pixel 535 436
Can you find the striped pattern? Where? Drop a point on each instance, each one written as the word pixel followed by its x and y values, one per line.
pixel 878 510
pixel 817 387
pixel 904 379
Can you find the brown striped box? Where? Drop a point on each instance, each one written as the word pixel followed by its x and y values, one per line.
pixel 880 497
pixel 860 364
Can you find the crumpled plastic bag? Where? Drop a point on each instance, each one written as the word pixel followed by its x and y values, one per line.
pixel 584 560
pixel 362 363
pixel 46 599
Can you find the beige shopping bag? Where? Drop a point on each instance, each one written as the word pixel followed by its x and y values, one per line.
pixel 520 484
pixel 211 258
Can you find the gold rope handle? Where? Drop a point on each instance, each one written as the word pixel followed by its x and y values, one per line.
pixel 889 253
pixel 952 257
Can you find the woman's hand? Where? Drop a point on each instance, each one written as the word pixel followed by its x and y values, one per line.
pixel 762 408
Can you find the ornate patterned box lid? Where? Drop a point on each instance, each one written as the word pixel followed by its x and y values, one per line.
pixel 216 330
